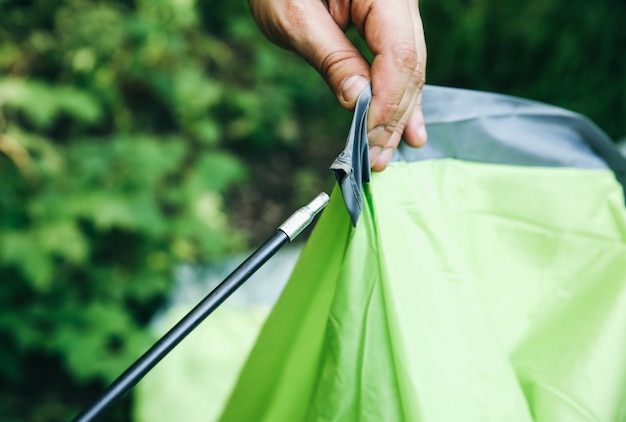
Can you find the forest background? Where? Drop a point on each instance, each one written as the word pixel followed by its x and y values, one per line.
pixel 139 134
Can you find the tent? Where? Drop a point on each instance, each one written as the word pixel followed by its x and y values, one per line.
pixel 479 278
pixel 485 279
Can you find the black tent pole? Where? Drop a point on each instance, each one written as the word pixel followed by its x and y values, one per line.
pixel 284 234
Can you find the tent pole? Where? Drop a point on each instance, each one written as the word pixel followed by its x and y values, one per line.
pixel 129 378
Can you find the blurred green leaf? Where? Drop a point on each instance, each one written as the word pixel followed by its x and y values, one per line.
pixel 23 250
pixel 213 173
pixel 43 103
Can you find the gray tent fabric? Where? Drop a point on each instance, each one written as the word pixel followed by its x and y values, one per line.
pixel 500 129
pixel 352 167
pixel 483 127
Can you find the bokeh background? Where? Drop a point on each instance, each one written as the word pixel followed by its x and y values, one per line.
pixel 137 136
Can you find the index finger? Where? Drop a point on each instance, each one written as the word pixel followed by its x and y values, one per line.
pixel 393 32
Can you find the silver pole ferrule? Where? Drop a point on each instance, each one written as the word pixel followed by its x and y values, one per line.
pixel 300 219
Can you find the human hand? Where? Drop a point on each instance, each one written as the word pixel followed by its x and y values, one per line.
pixel 393 32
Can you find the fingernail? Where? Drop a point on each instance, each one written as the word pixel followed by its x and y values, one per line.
pixel 423 135
pixel 352 87
pixel 374 154
pixel 385 157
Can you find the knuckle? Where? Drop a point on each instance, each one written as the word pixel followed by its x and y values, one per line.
pixel 279 25
pixel 405 55
pixel 332 63
pixel 396 129
pixel 409 60
pixel 296 14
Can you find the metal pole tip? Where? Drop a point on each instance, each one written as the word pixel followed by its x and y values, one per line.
pixel 300 219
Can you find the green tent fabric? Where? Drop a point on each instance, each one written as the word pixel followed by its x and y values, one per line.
pixel 485 280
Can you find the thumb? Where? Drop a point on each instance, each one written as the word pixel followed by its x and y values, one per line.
pixel 342 66
pixel 350 89
pixel 316 37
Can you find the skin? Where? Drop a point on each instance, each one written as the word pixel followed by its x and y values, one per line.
pixel 393 32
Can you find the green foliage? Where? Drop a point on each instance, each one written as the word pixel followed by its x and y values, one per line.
pixel 119 122
pixel 133 133
pixel 43 104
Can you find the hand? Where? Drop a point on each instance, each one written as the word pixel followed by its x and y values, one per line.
pixel 393 32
